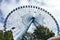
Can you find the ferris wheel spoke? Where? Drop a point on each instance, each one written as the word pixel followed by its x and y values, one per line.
pixel 26 19
pixel 21 19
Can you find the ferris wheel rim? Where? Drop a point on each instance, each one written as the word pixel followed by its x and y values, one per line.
pixel 29 6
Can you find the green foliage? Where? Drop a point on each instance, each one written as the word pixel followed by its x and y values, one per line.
pixel 27 36
pixel 6 35
pixel 43 33
pixel 40 33
pixel 1 35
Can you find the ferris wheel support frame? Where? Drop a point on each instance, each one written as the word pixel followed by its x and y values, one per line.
pixel 30 6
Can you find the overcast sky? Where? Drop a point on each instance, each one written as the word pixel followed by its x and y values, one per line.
pixel 52 6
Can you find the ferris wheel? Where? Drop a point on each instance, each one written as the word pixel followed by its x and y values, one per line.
pixel 21 18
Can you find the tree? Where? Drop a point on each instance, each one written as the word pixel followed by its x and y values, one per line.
pixel 40 33
pixel 8 35
pixel 27 36
pixel 1 35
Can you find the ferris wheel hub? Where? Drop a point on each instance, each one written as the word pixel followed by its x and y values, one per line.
pixel 23 16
